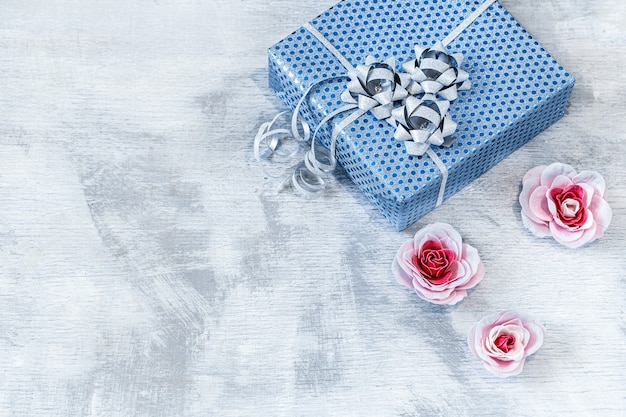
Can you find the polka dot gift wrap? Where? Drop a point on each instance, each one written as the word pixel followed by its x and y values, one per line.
pixel 517 91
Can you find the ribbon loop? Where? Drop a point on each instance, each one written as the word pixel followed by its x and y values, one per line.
pixel 269 144
pixel 321 167
pixel 306 183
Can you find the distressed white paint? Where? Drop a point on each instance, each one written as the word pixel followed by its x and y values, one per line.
pixel 147 269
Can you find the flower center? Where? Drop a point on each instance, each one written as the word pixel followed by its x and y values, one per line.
pixel 434 262
pixel 505 342
pixel 570 207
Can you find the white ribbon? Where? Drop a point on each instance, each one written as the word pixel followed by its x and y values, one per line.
pixel 426 86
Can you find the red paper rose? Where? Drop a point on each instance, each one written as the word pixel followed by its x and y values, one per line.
pixel 558 202
pixel 437 265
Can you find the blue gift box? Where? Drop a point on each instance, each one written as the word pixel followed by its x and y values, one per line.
pixel 517 91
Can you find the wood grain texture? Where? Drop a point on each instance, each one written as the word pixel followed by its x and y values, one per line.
pixel 148 269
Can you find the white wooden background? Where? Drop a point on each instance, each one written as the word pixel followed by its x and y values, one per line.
pixel 148 269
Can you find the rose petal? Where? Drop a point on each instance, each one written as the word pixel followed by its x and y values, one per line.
pixel 532 179
pixel 536 336
pixel 602 212
pixel 472 336
pixel 475 338
pixel 538 229
pixel 436 297
pixel 470 255
pixel 587 236
pixel 559 217
pixel 592 179
pixel 401 276
pixel 478 348
pixel 430 244
pixel 561 181
pixel 405 258
pixel 453 298
pixel 563 234
pixel 448 236
pixel 530 183
pixel 554 170
pixel 470 270
pixel 484 324
pixel 509 317
pixel 460 271
pixel 573 239
pixel 515 354
pixel 552 208
pixel 475 279
pixel 537 207
pixel 437 231
pixel 431 286
pixel 506 370
pixel 451 232
pixel 589 222
pixel 452 244
pixel 589 192
pixel 463 276
pixel 420 239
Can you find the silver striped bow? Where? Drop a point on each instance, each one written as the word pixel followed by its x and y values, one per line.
pixel 434 71
pixel 435 81
pixel 423 122
pixel 425 86
pixel 376 86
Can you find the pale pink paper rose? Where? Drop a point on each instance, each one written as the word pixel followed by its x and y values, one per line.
pixel 570 207
pixel 504 340
pixel 437 265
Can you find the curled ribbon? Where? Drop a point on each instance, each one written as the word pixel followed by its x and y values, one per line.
pixel 373 86
pixel 414 99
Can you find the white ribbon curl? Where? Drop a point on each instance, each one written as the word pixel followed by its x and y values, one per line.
pixel 373 86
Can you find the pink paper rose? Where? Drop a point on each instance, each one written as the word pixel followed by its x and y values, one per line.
pixel 558 202
pixel 504 340
pixel 437 265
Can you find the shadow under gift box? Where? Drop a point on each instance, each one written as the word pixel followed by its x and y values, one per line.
pixel 517 91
